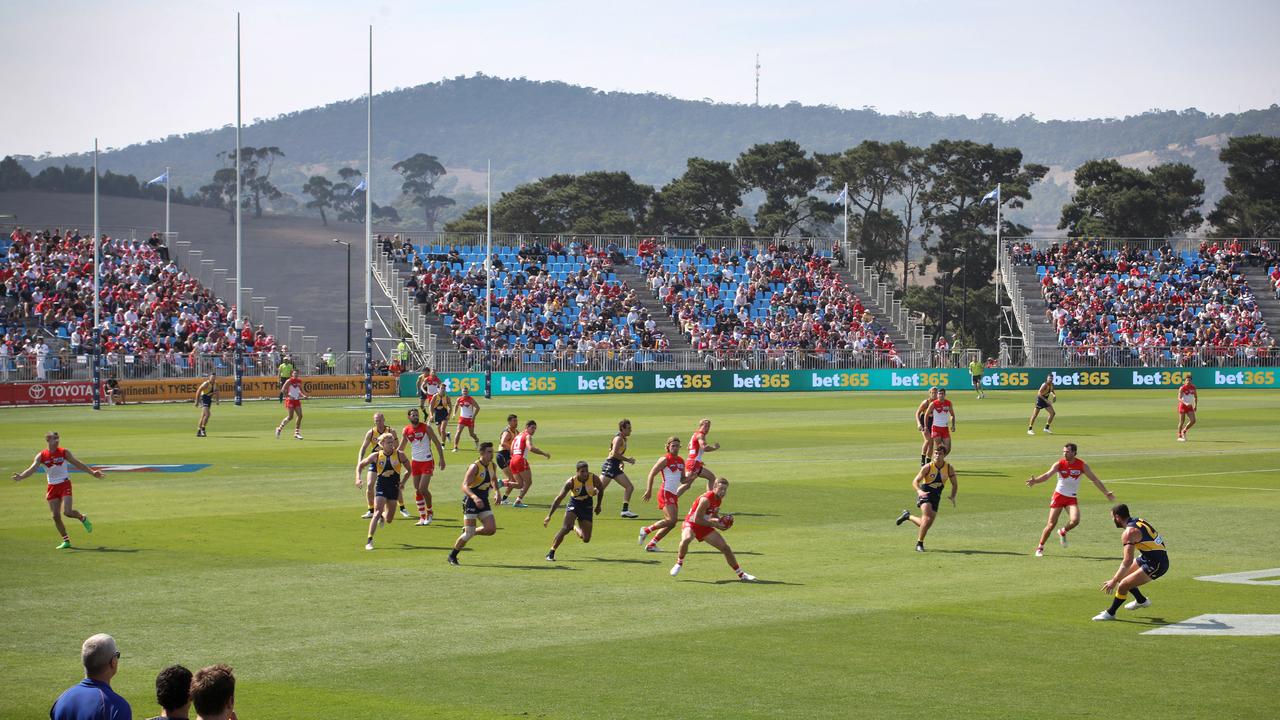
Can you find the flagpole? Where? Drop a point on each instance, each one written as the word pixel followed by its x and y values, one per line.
pixel 97 290
pixel 368 234
pixel 166 205
pixel 239 390
pixel 846 219
pixel 488 274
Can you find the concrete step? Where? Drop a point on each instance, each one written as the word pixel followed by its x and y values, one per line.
pixel 633 279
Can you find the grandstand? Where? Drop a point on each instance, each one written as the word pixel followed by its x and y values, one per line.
pixel 1149 304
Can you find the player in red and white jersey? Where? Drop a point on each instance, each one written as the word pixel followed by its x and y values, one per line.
pixel 293 397
pixel 54 460
pixel 521 446
pixel 704 523
pixel 428 384
pixel 922 420
pixel 942 416
pixel 693 466
pixel 467 410
pixel 1188 401
pixel 503 457
pixel 674 484
pixel 1068 469
pixel 420 439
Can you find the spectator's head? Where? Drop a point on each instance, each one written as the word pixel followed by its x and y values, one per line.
pixel 213 692
pixel 100 657
pixel 173 690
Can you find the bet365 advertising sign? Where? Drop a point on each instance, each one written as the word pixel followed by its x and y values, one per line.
pixel 645 381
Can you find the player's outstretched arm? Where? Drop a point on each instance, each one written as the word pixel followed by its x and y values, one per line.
pixel 1037 479
pixel 1088 471
pixel 435 442
pixel 564 492
pixel 1130 538
pixel 538 451
pixel 595 480
pixel 83 468
pixel 27 473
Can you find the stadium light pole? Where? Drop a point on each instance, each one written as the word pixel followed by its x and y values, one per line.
pixel 97 291
pixel 368 234
pixel 348 246
pixel 239 374
pixel 488 281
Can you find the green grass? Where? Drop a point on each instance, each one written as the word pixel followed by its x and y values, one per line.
pixel 258 561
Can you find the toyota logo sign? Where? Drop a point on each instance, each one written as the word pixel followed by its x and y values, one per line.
pixel 36 392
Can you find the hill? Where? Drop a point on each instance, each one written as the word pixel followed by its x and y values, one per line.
pixel 533 129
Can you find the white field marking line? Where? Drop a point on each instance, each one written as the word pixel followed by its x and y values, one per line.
pixel 1134 481
pixel 1043 455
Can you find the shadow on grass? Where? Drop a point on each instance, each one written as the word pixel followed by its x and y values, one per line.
pixel 548 566
pixel 102 549
pixel 982 473
pixel 1151 622
pixel 407 546
pixel 1233 442
pixel 757 581
pixel 627 561
pixel 717 552
pixel 977 552
pixel 747 514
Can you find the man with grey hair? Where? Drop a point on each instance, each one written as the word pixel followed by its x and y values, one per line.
pixel 93 698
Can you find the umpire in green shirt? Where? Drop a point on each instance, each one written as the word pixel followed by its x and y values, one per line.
pixel 975 370
pixel 286 370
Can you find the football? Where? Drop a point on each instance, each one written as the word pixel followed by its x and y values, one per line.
pixel 727 520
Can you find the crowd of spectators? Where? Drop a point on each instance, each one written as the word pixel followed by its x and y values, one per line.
pixel 561 305
pixel 154 315
pixel 1158 305
pixel 785 304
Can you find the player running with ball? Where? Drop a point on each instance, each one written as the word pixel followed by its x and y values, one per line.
pixel 704 522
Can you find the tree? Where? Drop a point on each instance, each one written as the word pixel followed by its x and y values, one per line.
pixel 12 175
pixel 962 173
pixel 221 193
pixel 913 190
pixel 703 201
pixel 594 202
pixel 320 188
pixel 1115 201
pixel 255 170
pixel 787 176
pixel 348 202
pixel 875 173
pixel 421 173
pixel 1251 207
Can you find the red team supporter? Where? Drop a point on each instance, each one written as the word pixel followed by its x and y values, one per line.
pixel 671 467
pixel 1068 470
pixel 1188 401
pixel 944 420
pixel 420 439
pixel 54 461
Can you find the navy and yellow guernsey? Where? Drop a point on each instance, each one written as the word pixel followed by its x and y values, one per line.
pixel 486 476
pixel 581 489
pixel 1153 557
pixel 935 476
pixel 387 467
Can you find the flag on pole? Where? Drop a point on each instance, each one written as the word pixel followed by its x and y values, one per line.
pixel 844 193
pixel 360 187
pixel 993 195
pixel 164 177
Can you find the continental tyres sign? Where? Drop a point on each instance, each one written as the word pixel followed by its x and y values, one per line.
pixel 604 383
pixel 81 391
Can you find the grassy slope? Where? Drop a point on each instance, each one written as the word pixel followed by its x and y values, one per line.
pixel 257 561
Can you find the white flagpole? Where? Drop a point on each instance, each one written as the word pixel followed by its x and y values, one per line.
pixel 488 276
pixel 239 374
pixel 846 219
pixel 368 234
pixel 166 205
pixel 97 290
pixel 999 250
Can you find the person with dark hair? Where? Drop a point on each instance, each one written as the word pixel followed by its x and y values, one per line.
pixel 173 693
pixel 480 479
pixel 93 698
pixel 1152 563
pixel 1068 469
pixel 580 488
pixel 213 693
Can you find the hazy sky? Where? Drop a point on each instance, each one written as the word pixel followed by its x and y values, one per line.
pixel 128 70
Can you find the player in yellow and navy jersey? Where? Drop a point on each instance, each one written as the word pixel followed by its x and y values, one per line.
pixel 928 485
pixel 1152 562
pixel 387 465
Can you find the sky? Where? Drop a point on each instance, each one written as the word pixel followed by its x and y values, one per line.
pixel 128 71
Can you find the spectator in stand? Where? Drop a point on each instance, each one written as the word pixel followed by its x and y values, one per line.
pixel 173 693
pixel 93 698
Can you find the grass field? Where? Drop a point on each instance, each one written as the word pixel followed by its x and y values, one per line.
pixel 258 561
